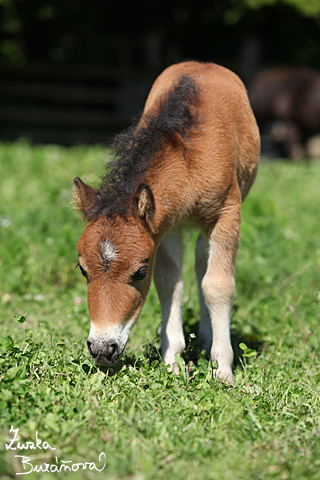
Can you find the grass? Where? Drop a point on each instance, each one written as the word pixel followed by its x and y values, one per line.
pixel 148 423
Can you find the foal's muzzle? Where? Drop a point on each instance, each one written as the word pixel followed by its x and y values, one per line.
pixel 104 353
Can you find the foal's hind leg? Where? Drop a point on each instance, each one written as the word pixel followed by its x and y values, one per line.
pixel 205 329
pixel 218 286
pixel 169 285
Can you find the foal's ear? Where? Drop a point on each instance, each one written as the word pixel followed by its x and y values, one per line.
pixel 84 197
pixel 145 203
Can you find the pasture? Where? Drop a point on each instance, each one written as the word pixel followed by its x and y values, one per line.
pixel 148 423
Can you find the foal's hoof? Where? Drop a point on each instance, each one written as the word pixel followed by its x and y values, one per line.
pixel 174 369
pixel 224 376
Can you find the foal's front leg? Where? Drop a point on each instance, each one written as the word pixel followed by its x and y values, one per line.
pixel 218 287
pixel 169 285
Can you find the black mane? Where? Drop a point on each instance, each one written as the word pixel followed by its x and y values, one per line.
pixel 136 148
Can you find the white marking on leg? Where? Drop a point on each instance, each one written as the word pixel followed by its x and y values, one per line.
pixel 169 285
pixel 219 291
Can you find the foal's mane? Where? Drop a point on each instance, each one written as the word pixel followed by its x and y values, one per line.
pixel 170 120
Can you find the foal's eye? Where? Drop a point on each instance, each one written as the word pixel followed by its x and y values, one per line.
pixel 84 273
pixel 140 274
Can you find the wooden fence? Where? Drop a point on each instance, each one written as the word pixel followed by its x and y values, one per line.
pixel 69 104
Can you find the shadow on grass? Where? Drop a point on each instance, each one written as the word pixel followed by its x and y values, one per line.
pixel 192 353
pixel 133 359
pixel 194 347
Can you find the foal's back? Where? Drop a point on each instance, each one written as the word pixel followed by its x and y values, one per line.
pixel 227 142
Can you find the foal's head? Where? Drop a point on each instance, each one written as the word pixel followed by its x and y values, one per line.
pixel 116 255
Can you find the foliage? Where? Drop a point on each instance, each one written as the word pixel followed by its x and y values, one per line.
pixel 148 422
pixel 308 8
pixel 97 33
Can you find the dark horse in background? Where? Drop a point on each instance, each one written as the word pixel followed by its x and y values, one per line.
pixel 286 103
pixel 189 161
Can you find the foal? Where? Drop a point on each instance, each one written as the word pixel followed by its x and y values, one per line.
pixel 190 160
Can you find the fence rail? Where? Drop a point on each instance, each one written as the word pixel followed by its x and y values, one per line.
pixel 69 104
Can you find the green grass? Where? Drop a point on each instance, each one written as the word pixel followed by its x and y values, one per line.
pixel 149 423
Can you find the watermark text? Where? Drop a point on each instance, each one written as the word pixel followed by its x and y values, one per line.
pixel 56 466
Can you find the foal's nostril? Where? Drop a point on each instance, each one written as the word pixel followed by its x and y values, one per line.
pixel 90 349
pixel 104 353
pixel 110 350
